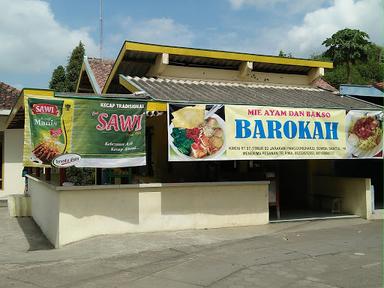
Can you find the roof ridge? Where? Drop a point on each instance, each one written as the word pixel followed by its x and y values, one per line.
pixel 100 59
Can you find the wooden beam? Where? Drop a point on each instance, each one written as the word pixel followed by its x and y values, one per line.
pixel 48 174
pixel 162 60
pixel 245 68
pixel 62 176
pixel 315 73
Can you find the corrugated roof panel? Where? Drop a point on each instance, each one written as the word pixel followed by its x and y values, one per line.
pixel 249 94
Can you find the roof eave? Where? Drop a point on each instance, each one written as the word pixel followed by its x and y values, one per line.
pixel 154 48
pixel 91 76
pixel 20 101
pixel 114 69
pixel 86 67
pixel 217 54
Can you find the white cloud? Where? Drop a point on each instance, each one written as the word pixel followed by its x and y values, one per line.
pixel 365 15
pixel 32 41
pixel 262 43
pixel 237 4
pixel 156 30
pixel 290 6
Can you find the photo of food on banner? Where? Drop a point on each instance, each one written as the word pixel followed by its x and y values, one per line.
pixel 196 132
pixel 364 133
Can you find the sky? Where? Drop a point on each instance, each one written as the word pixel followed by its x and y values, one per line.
pixel 36 36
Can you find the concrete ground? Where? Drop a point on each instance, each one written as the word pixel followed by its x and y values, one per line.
pixel 321 254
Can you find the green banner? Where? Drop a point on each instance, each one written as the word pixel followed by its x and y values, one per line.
pixel 101 133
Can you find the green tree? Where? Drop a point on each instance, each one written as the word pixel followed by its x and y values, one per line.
pixel 346 47
pixel 283 54
pixel 57 82
pixel 74 66
pixel 373 69
pixel 64 80
pixel 362 72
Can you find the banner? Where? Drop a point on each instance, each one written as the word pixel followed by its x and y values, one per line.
pixel 101 133
pixel 236 132
pixel 364 134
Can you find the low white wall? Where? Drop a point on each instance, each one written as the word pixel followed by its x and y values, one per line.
pixel 88 211
pixel 45 204
pixel 354 192
pixel 13 182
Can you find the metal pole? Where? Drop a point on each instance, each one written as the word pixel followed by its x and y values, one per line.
pixel 101 29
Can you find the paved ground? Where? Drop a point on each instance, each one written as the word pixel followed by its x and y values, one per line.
pixel 321 254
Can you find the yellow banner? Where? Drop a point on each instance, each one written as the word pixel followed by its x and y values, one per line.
pixel 235 132
pixel 255 132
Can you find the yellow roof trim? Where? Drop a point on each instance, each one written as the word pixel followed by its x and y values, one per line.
pixel 128 85
pixel 82 70
pixel 225 55
pixel 114 69
pixel 38 92
pixel 156 106
pixel 152 48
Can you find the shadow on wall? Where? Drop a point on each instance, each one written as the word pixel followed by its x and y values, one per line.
pixel 121 205
pixel 36 239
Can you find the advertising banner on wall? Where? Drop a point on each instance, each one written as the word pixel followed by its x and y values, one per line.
pixel 364 134
pixel 237 132
pixel 63 132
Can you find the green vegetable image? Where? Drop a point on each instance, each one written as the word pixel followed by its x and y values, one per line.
pixel 180 140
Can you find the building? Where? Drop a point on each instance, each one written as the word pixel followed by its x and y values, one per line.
pixel 371 93
pixel 11 145
pixel 166 195
pixel 93 75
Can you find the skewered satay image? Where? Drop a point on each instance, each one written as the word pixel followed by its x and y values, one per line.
pixel 46 151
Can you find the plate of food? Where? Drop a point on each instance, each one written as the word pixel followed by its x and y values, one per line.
pixel 364 133
pixel 197 134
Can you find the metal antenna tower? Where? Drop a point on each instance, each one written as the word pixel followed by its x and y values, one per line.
pixel 101 30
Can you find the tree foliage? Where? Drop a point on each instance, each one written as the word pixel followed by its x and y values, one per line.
pixel 74 66
pixel 367 69
pixel 283 54
pixel 346 47
pixel 64 80
pixel 362 72
pixel 57 82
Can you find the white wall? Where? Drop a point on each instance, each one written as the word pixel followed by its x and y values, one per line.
pixel 13 182
pixel 196 73
pixel 45 206
pixel 83 212
pixel 355 193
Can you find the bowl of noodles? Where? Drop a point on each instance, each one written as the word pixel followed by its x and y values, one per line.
pixel 364 133
pixel 202 140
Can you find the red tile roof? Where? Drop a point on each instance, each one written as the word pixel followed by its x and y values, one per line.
pixel 8 96
pixel 101 69
pixel 322 84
